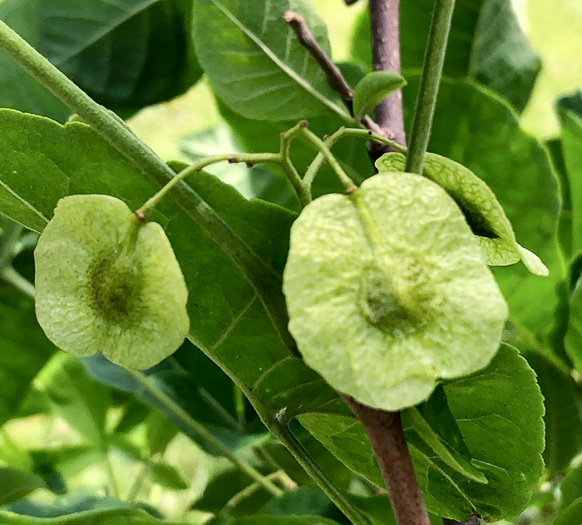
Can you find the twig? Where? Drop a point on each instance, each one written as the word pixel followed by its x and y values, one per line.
pixel 334 75
pixel 386 57
pixel 384 430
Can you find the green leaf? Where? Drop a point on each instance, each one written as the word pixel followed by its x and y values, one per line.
pixel 571 150
pixel 95 517
pixel 499 413
pixel 15 484
pixel 167 476
pixel 477 129
pixel 18 90
pixel 571 487
pixel 397 267
pixel 486 43
pixel 480 206
pixel 570 515
pixel 446 453
pixel 345 438
pixel 563 420
pixel 574 333
pixel 229 321
pixel 107 282
pixel 25 349
pixel 250 46
pixel 126 54
pixel 374 88
pixel 80 401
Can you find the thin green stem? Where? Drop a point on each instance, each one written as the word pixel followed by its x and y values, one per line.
pixel 138 481
pixel 247 492
pixel 429 84
pixel 281 431
pixel 196 166
pixel 12 277
pixel 199 430
pixel 335 165
pixel 111 479
pixel 341 133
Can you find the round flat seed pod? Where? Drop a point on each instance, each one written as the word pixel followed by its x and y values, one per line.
pixel 108 283
pixel 387 291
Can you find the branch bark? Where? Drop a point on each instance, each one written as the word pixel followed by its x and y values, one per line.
pixel 386 57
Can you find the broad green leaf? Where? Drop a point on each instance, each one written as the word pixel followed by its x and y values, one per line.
pixel 307 501
pixel 563 420
pixel 257 65
pixel 15 484
pixel 387 291
pixel 79 400
pixel 345 438
pixel 18 90
pixel 95 517
pixel 447 454
pixel 374 88
pixel 125 53
pixel 571 487
pixel 228 320
pixel 572 152
pixel 167 476
pixel 573 337
pixel 499 412
pixel 25 349
pixel 570 515
pixel 555 150
pixel 480 206
pixel 486 43
pixel 116 276
pixel 477 129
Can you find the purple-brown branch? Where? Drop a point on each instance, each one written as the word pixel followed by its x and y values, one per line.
pixel 384 430
pixel 334 75
pixel 386 57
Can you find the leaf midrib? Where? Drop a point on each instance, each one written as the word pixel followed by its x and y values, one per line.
pixel 281 65
pixel 98 35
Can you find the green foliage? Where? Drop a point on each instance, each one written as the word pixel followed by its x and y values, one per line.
pixel 15 484
pixel 248 42
pixel 486 44
pixel 503 402
pixel 373 88
pixel 390 298
pixel 125 54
